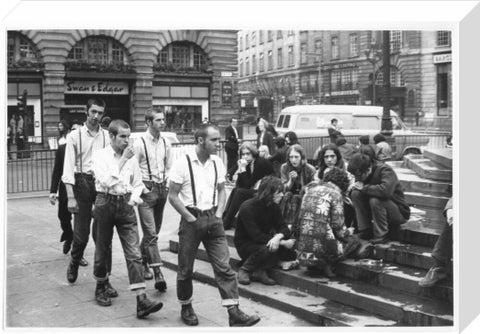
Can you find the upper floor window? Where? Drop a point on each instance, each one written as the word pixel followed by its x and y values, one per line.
pixel 318 50
pixel 254 64
pixel 335 48
pixel 353 45
pixel 270 60
pixel 395 40
pixel 260 37
pixel 247 66
pixel 247 42
pixel 290 33
pixel 20 48
pixel 269 35
pixel 444 38
pixel 303 53
pixel 279 58
pixel 99 50
pixel 279 34
pixel 254 38
pixel 183 55
pixel 290 55
pixel 240 66
pixel 396 79
pixel 240 42
pixel 261 62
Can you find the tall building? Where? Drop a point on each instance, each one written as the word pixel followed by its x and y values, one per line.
pixel 190 74
pixel 282 68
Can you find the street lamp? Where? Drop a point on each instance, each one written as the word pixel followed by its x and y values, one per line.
pixel 374 55
pixel 320 61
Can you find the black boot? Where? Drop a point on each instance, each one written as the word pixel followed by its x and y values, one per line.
pixel 110 290
pixel 243 276
pixel 160 283
pixel 101 295
pixel 72 272
pixel 145 306
pixel 236 318
pixel 146 272
pixel 188 315
pixel 262 277
pixel 66 246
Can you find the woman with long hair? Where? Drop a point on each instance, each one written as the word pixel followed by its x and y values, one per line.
pixel 328 157
pixel 291 138
pixel 265 137
pixel 63 130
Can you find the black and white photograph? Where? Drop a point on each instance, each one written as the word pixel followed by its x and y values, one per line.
pixel 269 176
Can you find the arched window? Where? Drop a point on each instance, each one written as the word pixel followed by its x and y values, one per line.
pixel 396 79
pixel 21 50
pixel 181 56
pixel 99 50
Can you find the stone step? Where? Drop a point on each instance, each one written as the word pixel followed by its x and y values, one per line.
pixel 405 309
pixel 317 310
pixel 423 199
pixel 427 169
pixel 411 182
pixel 442 156
pixel 419 232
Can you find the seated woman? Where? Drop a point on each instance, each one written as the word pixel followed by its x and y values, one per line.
pixel 251 168
pixel 264 152
pixel 262 238
pixel 296 173
pixel 291 138
pixel 324 239
pixel 279 157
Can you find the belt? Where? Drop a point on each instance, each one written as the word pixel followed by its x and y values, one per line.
pixel 115 196
pixel 197 212
pixel 85 175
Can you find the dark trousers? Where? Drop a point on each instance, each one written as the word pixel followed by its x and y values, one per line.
pixel 109 212
pixel 443 249
pixel 236 198
pixel 209 230
pixel 258 257
pixel 151 217
pixel 232 158
pixel 64 215
pixel 384 213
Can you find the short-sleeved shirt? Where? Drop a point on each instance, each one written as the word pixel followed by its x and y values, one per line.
pixel 204 178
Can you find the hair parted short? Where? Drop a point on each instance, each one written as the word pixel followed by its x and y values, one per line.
pixel 202 131
pixel 359 164
pixel 95 101
pixel 151 112
pixel 116 124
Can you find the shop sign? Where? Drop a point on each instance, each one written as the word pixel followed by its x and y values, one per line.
pixel 345 92
pixel 227 93
pixel 226 74
pixel 96 87
pixel 442 58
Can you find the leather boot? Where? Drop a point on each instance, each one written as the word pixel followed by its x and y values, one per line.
pixel 262 277
pixel 66 246
pixel 243 277
pixel 101 295
pixel 160 283
pixel 146 272
pixel 146 306
pixel 110 290
pixel 236 318
pixel 188 315
pixel 72 272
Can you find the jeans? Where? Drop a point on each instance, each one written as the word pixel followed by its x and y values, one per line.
pixel 209 230
pixel 64 215
pixel 383 212
pixel 109 212
pixel 151 216
pixel 443 249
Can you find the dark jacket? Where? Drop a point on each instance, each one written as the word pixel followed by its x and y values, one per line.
pixel 383 183
pixel 257 223
pixel 261 168
pixel 231 141
pixel 57 168
pixel 334 134
pixel 267 140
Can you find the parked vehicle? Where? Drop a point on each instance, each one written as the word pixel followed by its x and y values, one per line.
pixel 311 122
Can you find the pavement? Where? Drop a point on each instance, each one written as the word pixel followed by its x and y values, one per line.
pixel 37 294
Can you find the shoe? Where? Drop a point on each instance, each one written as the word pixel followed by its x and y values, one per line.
pixel 72 272
pixel 110 290
pixel 382 240
pixel 160 283
pixel 236 318
pixel 434 275
pixel 243 277
pixel 83 262
pixel 188 315
pixel 101 295
pixel 262 277
pixel 328 271
pixel 145 306
pixel 146 272
pixel 66 246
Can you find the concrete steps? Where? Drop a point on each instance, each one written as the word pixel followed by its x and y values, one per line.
pixel 412 182
pixel 429 200
pixel 442 156
pixel 368 289
pixel 427 168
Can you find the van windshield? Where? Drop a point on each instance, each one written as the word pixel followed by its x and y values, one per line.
pixel 323 121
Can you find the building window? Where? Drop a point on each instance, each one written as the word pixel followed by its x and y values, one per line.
pixel 335 48
pixel 303 53
pixel 270 60
pixel 396 79
pixel 291 33
pixel 99 50
pixel 247 66
pixel 342 80
pixel 279 34
pixel 241 43
pixel 247 42
pixel 318 50
pixel 254 64
pixel 443 89
pixel 395 40
pixel 254 38
pixel 279 58
pixel 353 45
pixel 290 55
pixel 180 55
pixel 241 67
pixel 199 58
pixel 269 35
pixel 20 48
pixel 444 38
pixel 262 62
pixel 163 57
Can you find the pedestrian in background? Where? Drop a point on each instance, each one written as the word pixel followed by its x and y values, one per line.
pixel 20 136
pixel 197 192
pixel 383 150
pixel 154 155
pixel 347 150
pixel 279 156
pixel 264 136
pixel 12 124
pixel 334 130
pixel 231 147
pixel 105 122
pixel 291 138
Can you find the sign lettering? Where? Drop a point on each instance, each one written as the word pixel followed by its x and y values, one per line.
pixel 442 58
pixel 96 87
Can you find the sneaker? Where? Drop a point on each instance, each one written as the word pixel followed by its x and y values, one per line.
pixel 110 290
pixel 434 275
pixel 146 306
pixel 236 318
pixel 188 315
pixel 101 296
pixel 72 272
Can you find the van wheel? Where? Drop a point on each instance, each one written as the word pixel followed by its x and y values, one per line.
pixel 411 150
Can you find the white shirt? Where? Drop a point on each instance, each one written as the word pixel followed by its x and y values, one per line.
pixel 235 130
pixel 156 156
pixel 108 177
pixel 204 178
pixel 90 143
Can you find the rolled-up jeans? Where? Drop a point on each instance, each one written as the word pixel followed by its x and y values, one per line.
pixel 151 216
pixel 113 211
pixel 207 229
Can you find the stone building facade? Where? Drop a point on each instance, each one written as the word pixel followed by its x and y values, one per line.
pixel 190 74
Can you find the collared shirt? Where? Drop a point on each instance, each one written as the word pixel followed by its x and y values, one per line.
pixel 204 178
pixel 108 177
pixel 235 130
pixel 156 157
pixel 90 143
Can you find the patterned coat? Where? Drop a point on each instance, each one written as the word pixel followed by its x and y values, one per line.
pixel 323 237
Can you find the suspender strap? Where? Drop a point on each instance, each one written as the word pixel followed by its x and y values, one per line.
pixel 80 141
pixel 164 159
pixel 192 181
pixel 215 184
pixel 148 161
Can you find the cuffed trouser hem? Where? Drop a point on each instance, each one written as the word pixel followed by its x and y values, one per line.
pixel 229 302
pixel 135 286
pixel 101 279
pixel 158 264
pixel 185 302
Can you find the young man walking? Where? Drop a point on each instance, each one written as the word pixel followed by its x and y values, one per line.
pixel 197 192
pixel 118 182
pixel 154 155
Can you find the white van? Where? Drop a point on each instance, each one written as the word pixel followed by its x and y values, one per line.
pixel 310 122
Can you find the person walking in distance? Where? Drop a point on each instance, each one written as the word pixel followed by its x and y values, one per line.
pixel 197 192
pixel 231 147
pixel 80 184
pixel 154 155
pixel 118 182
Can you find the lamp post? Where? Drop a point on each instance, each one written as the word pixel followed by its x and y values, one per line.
pixel 374 55
pixel 319 74
pixel 386 119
